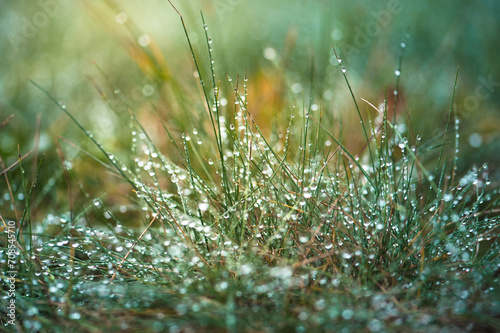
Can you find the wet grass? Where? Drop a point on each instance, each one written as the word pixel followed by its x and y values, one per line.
pixel 235 228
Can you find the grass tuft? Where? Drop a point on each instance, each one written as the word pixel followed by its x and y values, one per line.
pixel 232 230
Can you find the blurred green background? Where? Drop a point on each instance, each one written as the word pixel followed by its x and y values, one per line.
pixel 138 51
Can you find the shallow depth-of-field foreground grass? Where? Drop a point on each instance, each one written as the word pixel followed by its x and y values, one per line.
pixel 233 227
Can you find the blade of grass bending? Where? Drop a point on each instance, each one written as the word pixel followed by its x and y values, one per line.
pixel 66 178
pixel 398 77
pixel 166 129
pixel 72 144
pixel 305 130
pixel 455 157
pixel 9 187
pixel 212 120
pixel 357 108
pixel 94 141
pixel 3 123
pixel 202 83
pixel 448 121
pixel 191 176
pixel 5 170
pixel 215 87
pixel 25 212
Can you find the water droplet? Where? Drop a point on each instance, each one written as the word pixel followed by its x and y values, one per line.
pixel 347 314
pixel 475 140
pixel 245 269
pixel 269 53
pixel 148 90
pixel 121 18
pixel 203 206
pixel 281 272
pixel 337 34
pixel 144 40
pixel 296 88
pixel 75 316
pixel 346 255
pixel 397 72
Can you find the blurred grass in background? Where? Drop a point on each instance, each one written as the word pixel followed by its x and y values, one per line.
pixel 136 52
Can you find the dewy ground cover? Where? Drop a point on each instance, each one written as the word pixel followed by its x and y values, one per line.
pixel 228 224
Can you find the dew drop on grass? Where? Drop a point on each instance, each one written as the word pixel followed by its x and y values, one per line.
pixel 121 18
pixel 296 88
pixel 75 316
pixel 144 40
pixel 245 269
pixel 347 314
pixel 346 255
pixel 475 140
pixel 375 325
pixel 203 206
pixel 269 53
pixel 397 72
pixel 148 90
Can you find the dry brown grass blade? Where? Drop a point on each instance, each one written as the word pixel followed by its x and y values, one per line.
pixel 132 247
pixel 9 118
pixel 13 165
